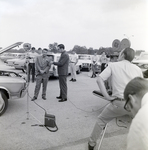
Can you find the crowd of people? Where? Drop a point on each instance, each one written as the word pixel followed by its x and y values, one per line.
pixel 128 86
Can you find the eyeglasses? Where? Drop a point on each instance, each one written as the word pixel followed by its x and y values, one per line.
pixel 127 105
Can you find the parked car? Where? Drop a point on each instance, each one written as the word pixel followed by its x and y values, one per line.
pixel 142 60
pixel 20 63
pixel 10 62
pixel 7 56
pixel 84 61
pixel 53 70
pixel 12 86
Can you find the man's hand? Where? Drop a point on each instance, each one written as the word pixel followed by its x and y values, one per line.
pixel 110 98
pixel 41 71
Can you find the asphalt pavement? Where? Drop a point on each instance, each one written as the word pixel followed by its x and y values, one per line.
pixel 75 119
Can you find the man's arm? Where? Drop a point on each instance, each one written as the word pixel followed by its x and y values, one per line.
pixel 37 66
pixel 103 90
pixel 62 61
pixel 76 60
pixel 105 75
pixel 48 66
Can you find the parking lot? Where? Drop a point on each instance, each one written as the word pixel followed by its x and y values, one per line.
pixel 75 119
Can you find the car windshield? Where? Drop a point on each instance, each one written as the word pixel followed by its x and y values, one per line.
pixel 84 57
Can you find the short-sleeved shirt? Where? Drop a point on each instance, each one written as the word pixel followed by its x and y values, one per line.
pixel 94 58
pixel 120 73
pixel 74 58
pixel 103 59
pixel 32 57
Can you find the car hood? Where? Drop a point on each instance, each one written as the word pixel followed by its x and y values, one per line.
pixel 4 79
pixel 10 47
pixel 140 61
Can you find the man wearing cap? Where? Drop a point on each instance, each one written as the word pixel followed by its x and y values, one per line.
pixel 42 66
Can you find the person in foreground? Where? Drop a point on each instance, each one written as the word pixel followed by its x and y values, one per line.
pixel 63 72
pixel 42 66
pixel 120 73
pixel 136 96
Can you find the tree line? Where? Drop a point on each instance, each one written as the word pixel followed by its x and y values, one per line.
pixel 81 50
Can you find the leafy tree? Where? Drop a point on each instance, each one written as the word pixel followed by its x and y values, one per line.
pixel 53 47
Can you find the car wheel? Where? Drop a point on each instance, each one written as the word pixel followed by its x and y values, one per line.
pixel 3 103
pixel 89 68
pixel 78 71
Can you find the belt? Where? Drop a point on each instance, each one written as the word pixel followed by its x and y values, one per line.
pixel 72 62
pixel 119 99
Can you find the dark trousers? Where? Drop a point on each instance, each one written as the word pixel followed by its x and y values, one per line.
pixel 31 70
pixel 94 70
pixel 63 86
pixel 44 80
pixel 103 66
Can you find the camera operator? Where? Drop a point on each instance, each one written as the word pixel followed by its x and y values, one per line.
pixel 121 73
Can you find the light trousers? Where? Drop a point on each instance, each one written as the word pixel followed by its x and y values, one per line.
pixel 112 110
pixel 73 70
pixel 41 78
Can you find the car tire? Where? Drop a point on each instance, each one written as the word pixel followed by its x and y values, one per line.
pixel 89 68
pixel 78 71
pixel 3 102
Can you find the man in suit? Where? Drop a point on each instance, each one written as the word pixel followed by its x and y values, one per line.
pixel 63 72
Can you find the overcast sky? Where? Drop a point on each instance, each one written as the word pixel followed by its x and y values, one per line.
pixel 90 23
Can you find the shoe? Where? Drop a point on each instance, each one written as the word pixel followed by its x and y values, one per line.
pixel 90 147
pixel 44 98
pixel 71 79
pixel 63 100
pixel 59 97
pixel 92 76
pixel 34 98
pixel 74 80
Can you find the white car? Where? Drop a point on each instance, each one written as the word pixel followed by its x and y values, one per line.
pixel 10 62
pixel 53 70
pixel 12 85
pixel 142 60
pixel 84 61
pixel 6 56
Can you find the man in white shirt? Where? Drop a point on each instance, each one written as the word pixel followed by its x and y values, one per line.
pixel 136 96
pixel 31 58
pixel 120 73
pixel 73 62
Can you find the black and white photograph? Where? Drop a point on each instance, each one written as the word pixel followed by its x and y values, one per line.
pixel 73 75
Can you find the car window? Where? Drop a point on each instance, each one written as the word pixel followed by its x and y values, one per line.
pixel 51 56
